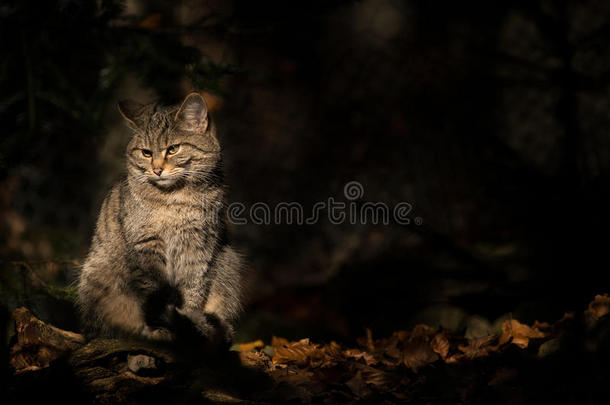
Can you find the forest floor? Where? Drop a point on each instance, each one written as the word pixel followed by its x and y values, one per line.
pixel 562 362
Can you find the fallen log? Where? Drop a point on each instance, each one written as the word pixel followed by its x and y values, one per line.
pixel 109 371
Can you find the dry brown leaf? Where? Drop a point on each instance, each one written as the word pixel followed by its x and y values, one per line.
pixel 418 353
pixel 306 354
pixel 401 335
pixel 332 355
pixel 440 344
pixel 357 354
pixel 600 306
pixel 391 362
pixel 367 342
pixel 391 350
pixel 519 334
pixel 358 386
pixel 334 351
pixel 370 345
pixel 279 341
pixel 300 353
pixel 455 358
pixel 478 347
pixel 542 326
pixel 422 330
pixel 374 376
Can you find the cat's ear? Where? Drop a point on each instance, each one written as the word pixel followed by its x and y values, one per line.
pixel 133 112
pixel 193 113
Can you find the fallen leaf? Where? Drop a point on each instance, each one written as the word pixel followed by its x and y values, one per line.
pixel 519 334
pixel 334 350
pixel 422 330
pixel 357 354
pixel 279 341
pixel 440 344
pixel 369 340
pixel 478 347
pixel 374 376
pixel 401 335
pixel 299 353
pixel 358 386
pixel 549 348
pixel 600 306
pixel 418 353
pixel 392 350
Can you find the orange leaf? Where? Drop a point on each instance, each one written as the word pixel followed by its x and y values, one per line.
pixel 246 347
pixel 600 306
pixel 440 344
pixel 418 353
pixel 359 354
pixel 518 333
pixel 478 347
pixel 278 341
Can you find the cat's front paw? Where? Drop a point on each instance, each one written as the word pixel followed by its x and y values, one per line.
pixel 194 323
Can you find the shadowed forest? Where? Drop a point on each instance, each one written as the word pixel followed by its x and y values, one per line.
pixel 488 120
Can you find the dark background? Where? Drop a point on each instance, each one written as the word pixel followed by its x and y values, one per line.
pixel 489 118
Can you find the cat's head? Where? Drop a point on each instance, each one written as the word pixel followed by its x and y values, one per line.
pixel 171 146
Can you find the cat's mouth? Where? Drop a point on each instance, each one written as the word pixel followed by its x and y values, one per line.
pixel 163 181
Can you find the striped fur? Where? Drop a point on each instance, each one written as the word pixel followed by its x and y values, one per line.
pixel 160 258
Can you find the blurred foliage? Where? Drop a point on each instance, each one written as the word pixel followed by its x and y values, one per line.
pixel 65 58
pixel 41 286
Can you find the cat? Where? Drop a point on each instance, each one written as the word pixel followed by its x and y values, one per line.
pixel 160 264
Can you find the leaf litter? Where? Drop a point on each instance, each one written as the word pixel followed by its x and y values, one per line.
pixel 394 368
pixel 423 365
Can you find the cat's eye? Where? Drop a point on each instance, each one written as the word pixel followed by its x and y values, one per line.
pixel 146 153
pixel 173 149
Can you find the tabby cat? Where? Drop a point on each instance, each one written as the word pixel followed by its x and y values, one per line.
pixel 160 263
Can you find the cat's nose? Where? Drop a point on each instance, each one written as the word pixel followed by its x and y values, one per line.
pixel 158 171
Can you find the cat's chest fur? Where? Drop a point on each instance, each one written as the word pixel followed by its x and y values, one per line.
pixel 175 226
pixel 161 217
